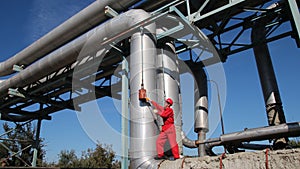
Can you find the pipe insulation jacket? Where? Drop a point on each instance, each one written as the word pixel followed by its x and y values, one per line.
pixel 255 134
pixel 188 142
pixel 83 21
pixel 201 107
pixel 69 53
pixel 201 100
pixel 263 133
pixel 143 129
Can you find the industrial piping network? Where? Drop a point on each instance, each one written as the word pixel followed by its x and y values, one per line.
pixel 68 54
pixel 83 21
pixel 162 64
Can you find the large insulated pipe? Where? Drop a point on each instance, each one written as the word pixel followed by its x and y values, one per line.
pixel 168 84
pixel 201 106
pixel 256 134
pixel 68 54
pixel 143 128
pixel 83 21
pixel 267 76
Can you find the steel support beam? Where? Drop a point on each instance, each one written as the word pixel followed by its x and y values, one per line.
pixel 36 141
pixel 196 16
pixel 295 19
pixel 125 117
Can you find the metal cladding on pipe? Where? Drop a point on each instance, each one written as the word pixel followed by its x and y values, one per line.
pixel 201 107
pixel 237 139
pixel 86 19
pixel 263 133
pixel 69 53
pixel 43 67
pixel 143 129
pixel 187 142
pixel 201 101
pixel 168 84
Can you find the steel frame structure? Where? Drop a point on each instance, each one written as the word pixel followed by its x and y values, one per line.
pixel 217 19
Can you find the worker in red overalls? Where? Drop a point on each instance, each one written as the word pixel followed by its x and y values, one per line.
pixel 168 129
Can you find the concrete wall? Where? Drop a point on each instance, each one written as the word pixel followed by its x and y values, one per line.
pixel 280 159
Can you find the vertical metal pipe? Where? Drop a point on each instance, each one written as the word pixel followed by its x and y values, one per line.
pixel 143 129
pixel 267 76
pixel 168 82
pixel 125 97
pixel 201 147
pixel 201 107
pixel 36 142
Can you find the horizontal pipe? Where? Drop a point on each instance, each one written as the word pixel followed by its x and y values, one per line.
pixel 256 134
pixel 253 146
pixel 264 133
pixel 70 52
pixel 83 21
pixel 187 142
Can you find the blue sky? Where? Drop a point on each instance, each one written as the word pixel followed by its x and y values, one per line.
pixel 24 23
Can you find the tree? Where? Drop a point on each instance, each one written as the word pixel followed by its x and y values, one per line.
pixel 20 142
pixel 3 152
pixel 3 155
pixel 68 159
pixel 295 142
pixel 101 157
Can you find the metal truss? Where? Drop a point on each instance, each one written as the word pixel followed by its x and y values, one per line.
pixel 223 22
pixel 54 92
pixel 228 24
pixel 11 152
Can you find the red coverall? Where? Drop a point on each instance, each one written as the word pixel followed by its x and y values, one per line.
pixel 167 132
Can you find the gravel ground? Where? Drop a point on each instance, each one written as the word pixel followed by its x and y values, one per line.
pixel 266 159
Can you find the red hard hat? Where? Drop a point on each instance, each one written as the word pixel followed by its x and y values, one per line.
pixel 170 101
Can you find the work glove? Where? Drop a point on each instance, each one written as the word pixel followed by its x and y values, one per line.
pixel 148 99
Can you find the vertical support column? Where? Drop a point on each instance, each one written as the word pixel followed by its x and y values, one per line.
pixel 36 142
pixel 268 79
pixel 201 107
pixel 125 97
